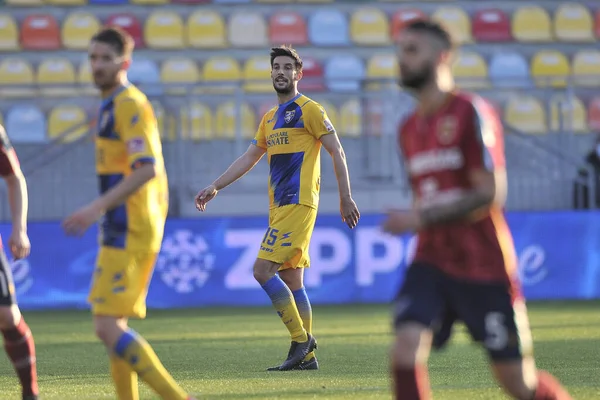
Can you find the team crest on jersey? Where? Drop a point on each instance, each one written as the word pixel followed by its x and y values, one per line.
pixel 447 129
pixel 289 116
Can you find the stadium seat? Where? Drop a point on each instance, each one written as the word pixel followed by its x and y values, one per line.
pixel 66 2
pixel 274 1
pixel 491 25
pixel 369 27
pixel 597 24
pixel 315 1
pixel 328 27
pixel 164 30
pixel 190 1
pixel 567 114
pixel 573 23
pixel 145 74
pixel 9 33
pixel 247 29
pixel 403 17
pixel 594 114
pixel 264 108
pixel 457 21
pixel 531 24
pixel 231 1
pixel 149 2
pixel 206 29
pixel 509 70
pixel 26 124
pixel 24 2
pixel 550 68
pixel 16 78
pixel 288 27
pixel 40 32
pixel 312 76
pixel 470 70
pixel 78 29
pixel 67 123
pixel 196 122
pixel 344 73
pixel 178 73
pixel 84 79
pixel 586 68
pixel 109 2
pixel 165 122
pixel 226 126
pixel 382 71
pixel 257 74
pixel 56 76
pixel 222 72
pixel 526 114
pixel 130 24
pixel 350 118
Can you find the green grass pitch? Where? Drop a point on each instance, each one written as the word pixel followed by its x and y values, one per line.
pixel 222 353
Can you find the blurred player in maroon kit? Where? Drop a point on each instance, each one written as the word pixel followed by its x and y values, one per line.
pixel 465 264
pixel 18 341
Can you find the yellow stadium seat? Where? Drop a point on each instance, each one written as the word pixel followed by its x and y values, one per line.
pixel 351 118
pixel 332 113
pixel 470 70
pixel 568 114
pixel 59 76
pixel 178 74
pixel 150 1
pixel 227 121
pixel 16 78
pixel 257 74
pixel 457 21
pixel 165 122
pixel 222 69
pixel 206 29
pixel 573 22
pixel 78 29
pixel 526 114
pixel 9 33
pixel 383 70
pixel 550 68
pixel 531 24
pixel 369 27
pixel 24 2
pixel 67 2
pixel 84 79
pixel 586 68
pixel 247 29
pixel 67 122
pixel 196 122
pixel 164 30
pixel 316 1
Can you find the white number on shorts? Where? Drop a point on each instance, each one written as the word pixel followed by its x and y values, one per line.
pixel 3 284
pixel 496 332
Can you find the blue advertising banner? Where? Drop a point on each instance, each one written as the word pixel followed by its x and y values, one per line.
pixel 208 261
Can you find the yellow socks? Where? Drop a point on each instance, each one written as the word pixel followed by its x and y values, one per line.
pixel 305 311
pixel 124 378
pixel 282 300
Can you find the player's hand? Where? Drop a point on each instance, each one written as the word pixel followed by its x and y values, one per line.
pixel 77 223
pixel 349 211
pixel 204 196
pixel 19 244
pixel 398 222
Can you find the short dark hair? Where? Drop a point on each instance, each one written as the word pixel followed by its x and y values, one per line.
pixel 289 51
pixel 432 28
pixel 116 37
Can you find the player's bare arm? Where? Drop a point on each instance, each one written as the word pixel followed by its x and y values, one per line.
pixel 348 208
pixel 236 170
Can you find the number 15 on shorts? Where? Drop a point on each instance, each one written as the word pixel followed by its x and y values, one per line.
pixel 270 237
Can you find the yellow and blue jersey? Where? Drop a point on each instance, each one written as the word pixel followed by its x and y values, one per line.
pixel 128 137
pixel 290 133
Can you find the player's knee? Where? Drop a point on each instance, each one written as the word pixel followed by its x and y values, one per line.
pixel 264 270
pixel 412 345
pixel 107 329
pixel 9 317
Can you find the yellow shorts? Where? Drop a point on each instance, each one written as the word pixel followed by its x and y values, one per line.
pixel 287 239
pixel 120 282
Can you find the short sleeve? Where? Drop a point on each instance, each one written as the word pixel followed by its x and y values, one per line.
pixel 8 158
pixel 137 127
pixel 316 120
pixel 483 145
pixel 260 139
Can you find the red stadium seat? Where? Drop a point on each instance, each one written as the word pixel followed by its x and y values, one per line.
pixel 264 108
pixel 594 114
pixel 312 79
pixel 40 32
pixel 491 25
pixel 130 24
pixel 287 27
pixel 402 17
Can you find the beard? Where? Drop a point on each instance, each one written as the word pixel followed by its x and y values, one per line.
pixel 284 90
pixel 417 80
pixel 105 81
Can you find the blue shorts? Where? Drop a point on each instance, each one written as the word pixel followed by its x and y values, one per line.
pixel 436 300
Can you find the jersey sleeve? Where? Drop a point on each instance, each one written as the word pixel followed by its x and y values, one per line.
pixel 483 144
pixel 136 125
pixel 9 162
pixel 316 121
pixel 260 139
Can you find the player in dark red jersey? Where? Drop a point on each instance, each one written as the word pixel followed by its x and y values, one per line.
pixel 18 341
pixel 465 264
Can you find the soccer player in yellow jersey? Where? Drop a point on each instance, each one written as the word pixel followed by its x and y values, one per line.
pixel 132 208
pixel 292 135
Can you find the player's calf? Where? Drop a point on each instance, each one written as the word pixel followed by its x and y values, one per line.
pixel 409 362
pixel 522 381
